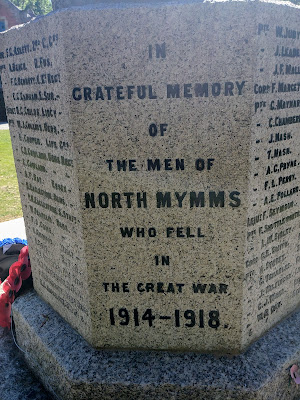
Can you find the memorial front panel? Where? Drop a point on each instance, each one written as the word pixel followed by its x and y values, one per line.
pixel 156 148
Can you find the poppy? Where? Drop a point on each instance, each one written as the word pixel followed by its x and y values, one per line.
pixel 5 322
pixel 294 371
pixel 5 310
pixel 25 268
pixel 10 292
pixel 24 255
pixel 14 278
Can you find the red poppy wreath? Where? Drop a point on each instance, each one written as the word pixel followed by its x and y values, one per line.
pixel 19 271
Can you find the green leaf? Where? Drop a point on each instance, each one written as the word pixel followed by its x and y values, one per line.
pixel 39 7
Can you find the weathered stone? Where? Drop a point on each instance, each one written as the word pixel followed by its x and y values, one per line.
pixel 72 369
pixel 156 147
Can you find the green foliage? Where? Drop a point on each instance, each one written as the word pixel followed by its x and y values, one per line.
pixel 39 7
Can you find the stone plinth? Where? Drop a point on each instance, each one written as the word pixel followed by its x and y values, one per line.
pixel 73 370
pixel 157 152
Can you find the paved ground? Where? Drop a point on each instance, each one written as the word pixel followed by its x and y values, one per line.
pixel 3 125
pixel 17 382
pixel 12 229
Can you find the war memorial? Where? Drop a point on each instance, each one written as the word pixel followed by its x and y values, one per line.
pixel 157 152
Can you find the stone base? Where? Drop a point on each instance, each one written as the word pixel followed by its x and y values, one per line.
pixel 71 369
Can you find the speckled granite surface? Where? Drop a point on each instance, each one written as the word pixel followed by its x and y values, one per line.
pixel 75 370
pixel 17 381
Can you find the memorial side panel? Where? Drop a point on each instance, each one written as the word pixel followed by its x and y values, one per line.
pixel 38 114
pixel 272 259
